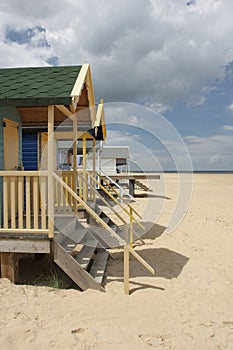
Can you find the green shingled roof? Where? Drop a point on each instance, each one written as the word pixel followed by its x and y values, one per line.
pixel 37 86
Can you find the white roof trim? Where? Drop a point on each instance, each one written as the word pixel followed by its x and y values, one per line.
pixel 78 86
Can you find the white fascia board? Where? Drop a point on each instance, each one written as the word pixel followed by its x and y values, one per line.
pixel 78 86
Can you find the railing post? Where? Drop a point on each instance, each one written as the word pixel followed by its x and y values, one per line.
pixel 5 204
pixel 50 171
pixel 74 162
pixel 131 228
pixel 126 270
pixel 94 166
pixel 85 184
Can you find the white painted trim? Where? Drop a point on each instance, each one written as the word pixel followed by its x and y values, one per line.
pixel 78 86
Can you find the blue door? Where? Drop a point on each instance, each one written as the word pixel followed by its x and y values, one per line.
pixel 30 151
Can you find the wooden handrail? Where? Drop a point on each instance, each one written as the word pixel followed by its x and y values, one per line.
pixel 130 206
pixel 24 231
pixel 88 209
pixel 116 201
pixel 132 232
pixel 127 248
pixel 19 173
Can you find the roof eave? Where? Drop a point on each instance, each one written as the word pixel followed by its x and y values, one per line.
pixel 33 102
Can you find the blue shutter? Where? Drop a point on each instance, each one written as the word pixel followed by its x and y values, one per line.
pixel 30 151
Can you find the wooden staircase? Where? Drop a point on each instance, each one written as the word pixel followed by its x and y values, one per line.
pixel 122 231
pixel 79 254
pixel 80 245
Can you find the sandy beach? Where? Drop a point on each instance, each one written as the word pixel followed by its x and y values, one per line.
pixel 188 304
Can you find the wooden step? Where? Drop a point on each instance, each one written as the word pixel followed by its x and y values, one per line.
pixel 86 254
pixel 113 226
pixel 70 240
pixel 105 239
pixel 99 266
pixel 98 210
pixel 77 235
pixel 122 232
pixel 71 267
pixel 105 218
pixel 70 225
pixel 68 244
pixel 61 221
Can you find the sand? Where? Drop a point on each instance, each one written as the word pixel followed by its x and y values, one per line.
pixel 188 304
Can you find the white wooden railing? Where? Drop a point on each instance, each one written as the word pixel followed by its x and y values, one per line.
pixel 24 201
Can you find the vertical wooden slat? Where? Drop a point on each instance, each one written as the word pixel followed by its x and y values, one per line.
pixel 68 196
pixel 51 169
pixel 5 198
pixel 13 199
pixel 73 184
pixel 59 196
pixel 56 203
pixel 61 200
pixel 74 175
pixel 80 185
pixel 94 166
pixel 35 201
pixel 84 169
pixel 28 202
pixel 44 201
pixel 20 200
pixel 65 195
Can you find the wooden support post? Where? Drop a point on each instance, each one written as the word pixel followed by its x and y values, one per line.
pixel 74 162
pixel 126 270
pixel 84 168
pixel 94 165
pixel 98 165
pixel 9 266
pixel 43 189
pixel 6 202
pixel 50 170
pixel 131 228
pixel 131 187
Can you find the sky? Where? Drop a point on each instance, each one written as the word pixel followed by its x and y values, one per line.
pixel 152 61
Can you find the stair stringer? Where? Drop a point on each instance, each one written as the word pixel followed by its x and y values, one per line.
pixel 73 269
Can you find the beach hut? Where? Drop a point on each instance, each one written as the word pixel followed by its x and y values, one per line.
pixel 113 160
pixel 40 109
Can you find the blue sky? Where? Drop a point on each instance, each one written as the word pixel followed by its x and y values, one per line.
pixel 174 57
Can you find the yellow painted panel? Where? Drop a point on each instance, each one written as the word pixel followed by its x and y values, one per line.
pixel 11 145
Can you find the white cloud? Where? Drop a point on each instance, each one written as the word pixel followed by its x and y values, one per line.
pixel 197 101
pixel 228 127
pixel 152 51
pixel 230 107
pixel 211 153
pixel 158 107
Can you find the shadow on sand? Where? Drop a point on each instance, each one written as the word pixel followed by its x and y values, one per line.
pixel 167 263
pixel 150 195
pixel 152 230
